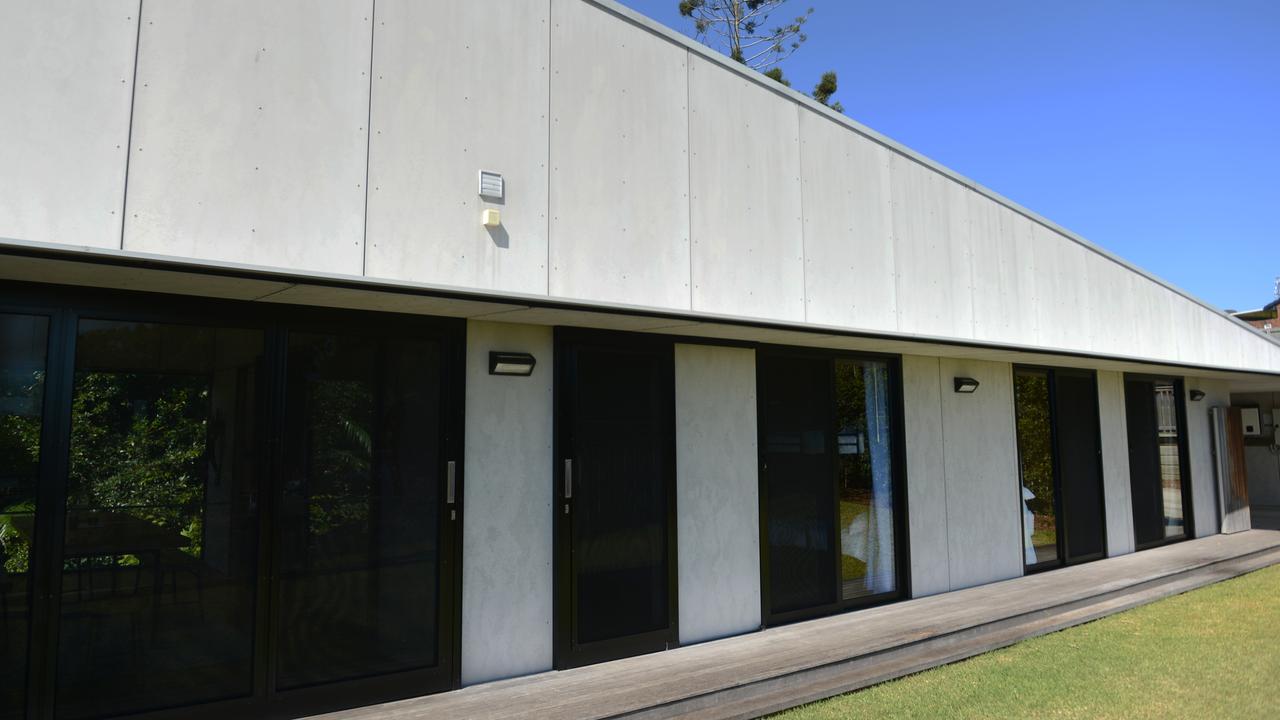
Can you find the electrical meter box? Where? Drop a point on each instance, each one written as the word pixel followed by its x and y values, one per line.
pixel 1251 422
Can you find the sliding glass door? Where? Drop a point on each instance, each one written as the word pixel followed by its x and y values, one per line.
pixel 1159 483
pixel 829 488
pixel 1060 466
pixel 159 543
pixel 359 527
pixel 211 507
pixel 24 341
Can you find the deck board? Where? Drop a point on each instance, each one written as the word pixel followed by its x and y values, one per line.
pixel 745 675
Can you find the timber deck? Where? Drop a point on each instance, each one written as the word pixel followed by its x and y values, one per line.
pixel 751 675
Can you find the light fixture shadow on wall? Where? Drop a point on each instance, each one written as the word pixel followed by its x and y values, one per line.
pixel 966 385
pixel 511 363
pixel 1197 395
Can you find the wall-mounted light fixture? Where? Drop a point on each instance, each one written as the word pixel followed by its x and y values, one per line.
pixel 966 385
pixel 511 363
pixel 1197 395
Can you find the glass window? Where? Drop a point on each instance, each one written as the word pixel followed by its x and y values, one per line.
pixel 160 542
pixel 864 451
pixel 1170 459
pixel 1156 475
pixel 23 342
pixel 359 516
pixel 1035 466
pixel 827 448
pixel 799 497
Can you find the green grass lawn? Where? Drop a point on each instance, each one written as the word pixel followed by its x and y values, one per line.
pixel 1210 653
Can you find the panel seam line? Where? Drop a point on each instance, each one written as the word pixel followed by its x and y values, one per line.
pixel 368 142
pixel 688 164
pixel 946 490
pixel 133 101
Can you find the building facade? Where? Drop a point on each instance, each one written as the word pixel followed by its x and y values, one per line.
pixel 351 352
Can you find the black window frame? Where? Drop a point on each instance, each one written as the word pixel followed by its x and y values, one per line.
pixel 1063 559
pixel 1184 459
pixel 565 653
pixel 901 511
pixel 65 306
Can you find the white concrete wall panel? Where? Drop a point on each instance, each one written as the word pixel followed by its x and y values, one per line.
pixel 1204 482
pixel 1115 463
pixel 848 227
pixel 619 161
pixel 249 132
pixel 459 87
pixel 999 314
pixel 507 496
pixel 1110 316
pixel 920 247
pixel 1062 303
pixel 744 179
pixel 638 171
pixel 960 279
pixel 984 526
pixel 66 76
pixel 1022 232
pixel 926 476
pixel 717 491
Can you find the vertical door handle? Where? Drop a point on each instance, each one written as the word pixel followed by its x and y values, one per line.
pixel 450 482
pixel 568 479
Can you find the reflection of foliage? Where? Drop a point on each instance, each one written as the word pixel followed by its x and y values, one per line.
pixel 851 416
pixel 19 463
pixel 341 453
pixel 1035 443
pixel 138 444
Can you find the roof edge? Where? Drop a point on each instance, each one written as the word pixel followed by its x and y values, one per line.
pixel 693 46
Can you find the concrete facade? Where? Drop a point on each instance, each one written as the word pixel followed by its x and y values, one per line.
pixel 717 506
pixel 282 182
pixel 507 501
pixel 325 154
pixel 1115 463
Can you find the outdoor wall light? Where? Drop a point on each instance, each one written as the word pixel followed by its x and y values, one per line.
pixel 966 385
pixel 511 363
pixel 1197 395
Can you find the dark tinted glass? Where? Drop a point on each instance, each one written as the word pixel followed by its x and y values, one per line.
pixel 23 340
pixel 1035 466
pixel 1146 460
pixel 1078 459
pixel 864 451
pixel 796 427
pixel 621 426
pixel 160 544
pixel 359 515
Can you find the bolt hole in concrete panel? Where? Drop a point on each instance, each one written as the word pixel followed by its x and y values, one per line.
pixel 491 185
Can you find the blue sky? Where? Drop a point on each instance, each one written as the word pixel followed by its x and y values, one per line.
pixel 1152 128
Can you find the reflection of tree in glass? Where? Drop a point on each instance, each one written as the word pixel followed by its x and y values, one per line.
pixel 19 464
pixel 138 443
pixel 341 454
pixel 851 412
pixel 1035 451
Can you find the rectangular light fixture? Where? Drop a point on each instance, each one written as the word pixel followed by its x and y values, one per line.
pixel 511 363
pixel 966 385
pixel 491 185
